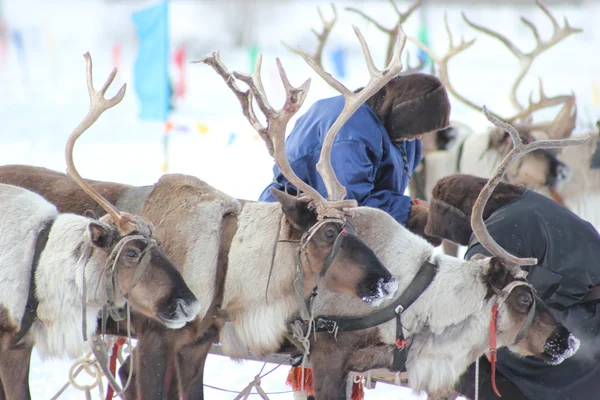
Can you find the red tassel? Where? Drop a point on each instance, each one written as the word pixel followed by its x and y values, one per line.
pixel 112 365
pixel 358 391
pixel 294 380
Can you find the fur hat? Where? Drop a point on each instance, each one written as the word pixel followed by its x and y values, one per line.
pixel 411 105
pixel 452 202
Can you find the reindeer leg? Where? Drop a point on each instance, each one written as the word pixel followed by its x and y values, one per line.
pixel 328 360
pixel 153 352
pixel 14 373
pixel 130 391
pixel 191 359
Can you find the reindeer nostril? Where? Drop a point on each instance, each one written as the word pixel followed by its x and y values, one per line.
pixel 182 307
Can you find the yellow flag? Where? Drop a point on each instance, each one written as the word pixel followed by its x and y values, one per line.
pixel 595 94
pixel 202 128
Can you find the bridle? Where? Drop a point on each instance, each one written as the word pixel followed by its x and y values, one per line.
pixel 346 228
pixel 112 282
pixel 502 296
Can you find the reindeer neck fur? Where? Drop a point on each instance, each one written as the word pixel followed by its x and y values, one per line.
pixel 478 158
pixel 581 192
pixel 59 289
pixel 447 324
pixel 470 155
pixel 58 278
pixel 258 322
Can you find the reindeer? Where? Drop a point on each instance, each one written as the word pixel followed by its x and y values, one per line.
pixel 57 271
pixel 448 312
pixel 253 282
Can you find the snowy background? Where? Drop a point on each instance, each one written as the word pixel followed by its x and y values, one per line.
pixel 43 96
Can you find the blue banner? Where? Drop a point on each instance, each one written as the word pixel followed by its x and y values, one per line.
pixel 151 69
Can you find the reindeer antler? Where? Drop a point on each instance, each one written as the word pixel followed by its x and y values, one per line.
pixel 526 59
pixel 518 151
pixel 321 37
pixel 413 69
pixel 442 62
pixel 352 101
pixel 274 132
pixel 98 104
pixel 392 32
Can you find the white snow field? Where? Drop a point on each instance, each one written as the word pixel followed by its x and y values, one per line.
pixel 44 97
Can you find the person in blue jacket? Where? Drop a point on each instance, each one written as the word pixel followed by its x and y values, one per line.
pixel 377 149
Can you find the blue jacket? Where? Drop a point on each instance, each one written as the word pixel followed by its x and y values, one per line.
pixel 364 158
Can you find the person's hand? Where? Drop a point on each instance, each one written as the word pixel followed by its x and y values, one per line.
pixel 418 219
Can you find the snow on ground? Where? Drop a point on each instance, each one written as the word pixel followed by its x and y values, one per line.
pixel 42 100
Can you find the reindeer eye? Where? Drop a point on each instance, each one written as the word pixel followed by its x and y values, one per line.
pixel 330 233
pixel 525 299
pixel 132 254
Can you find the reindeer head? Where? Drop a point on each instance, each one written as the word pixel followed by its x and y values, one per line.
pixel 523 324
pixel 328 246
pixel 135 267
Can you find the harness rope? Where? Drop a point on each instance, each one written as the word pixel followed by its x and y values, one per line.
pixel 493 327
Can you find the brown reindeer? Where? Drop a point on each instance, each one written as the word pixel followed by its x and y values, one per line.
pixel 447 327
pixel 58 271
pixel 253 262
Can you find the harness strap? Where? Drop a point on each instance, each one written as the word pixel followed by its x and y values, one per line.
pixel 417 286
pixel 337 245
pixel 493 347
pixel 304 305
pixel 461 148
pixel 30 313
pixel 527 323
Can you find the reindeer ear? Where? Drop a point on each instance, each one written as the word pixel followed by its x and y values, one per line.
pixel 100 235
pixel 497 274
pixel 295 210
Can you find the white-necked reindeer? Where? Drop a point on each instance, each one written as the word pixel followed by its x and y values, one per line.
pixel 452 321
pixel 57 271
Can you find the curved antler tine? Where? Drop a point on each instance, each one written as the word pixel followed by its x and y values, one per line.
pixel 98 104
pixel 442 62
pixel 335 190
pixel 273 133
pixel 393 31
pixel 526 59
pixel 321 37
pixel 518 151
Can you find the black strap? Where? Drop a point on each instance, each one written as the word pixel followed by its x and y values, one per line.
pixel 461 147
pixel 30 313
pixel 416 287
pixel 592 295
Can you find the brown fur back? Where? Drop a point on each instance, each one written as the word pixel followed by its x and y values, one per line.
pixel 60 189
pixel 452 202
pixel 174 196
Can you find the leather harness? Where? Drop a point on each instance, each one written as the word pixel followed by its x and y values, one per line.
pixel 30 313
pixel 420 282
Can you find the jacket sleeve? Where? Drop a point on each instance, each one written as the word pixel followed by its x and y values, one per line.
pixel 355 166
